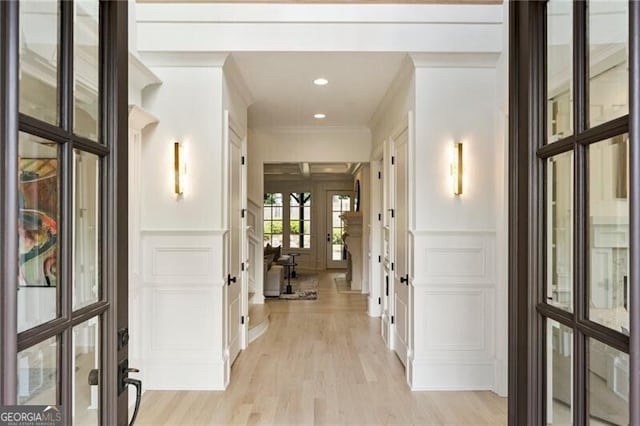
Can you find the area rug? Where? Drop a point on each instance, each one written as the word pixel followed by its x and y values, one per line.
pixel 304 287
pixel 343 286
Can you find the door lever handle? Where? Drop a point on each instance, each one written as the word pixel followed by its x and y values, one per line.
pixel 405 279
pixel 231 279
pixel 138 385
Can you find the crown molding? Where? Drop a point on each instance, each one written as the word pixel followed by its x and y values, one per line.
pixel 405 72
pixel 139 118
pixel 184 59
pixel 140 75
pixel 232 72
pixel 455 60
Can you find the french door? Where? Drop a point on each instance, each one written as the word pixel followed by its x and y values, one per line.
pixel 574 213
pixel 64 202
pixel 338 202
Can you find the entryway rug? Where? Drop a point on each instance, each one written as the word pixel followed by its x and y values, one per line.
pixel 304 287
pixel 343 286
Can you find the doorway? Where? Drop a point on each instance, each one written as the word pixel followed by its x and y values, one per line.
pixel 338 202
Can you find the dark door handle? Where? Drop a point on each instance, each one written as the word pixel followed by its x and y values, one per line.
pixel 231 279
pixel 405 279
pixel 138 385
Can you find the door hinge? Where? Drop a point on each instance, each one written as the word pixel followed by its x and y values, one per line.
pixel 379 301
pixel 242 160
pixel 242 266
pixel 379 175
pixel 242 213
pixel 242 319
pixel 393 266
pixel 379 216
pixel 386 285
pixel 393 161
pixel 379 259
pixel 393 213
pixel 392 319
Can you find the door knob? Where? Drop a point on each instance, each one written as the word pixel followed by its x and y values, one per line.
pixel 231 279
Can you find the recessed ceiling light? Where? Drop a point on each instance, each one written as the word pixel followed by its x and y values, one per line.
pixel 319 115
pixel 320 81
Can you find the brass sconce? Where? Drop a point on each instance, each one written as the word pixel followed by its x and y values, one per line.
pixel 179 168
pixel 456 168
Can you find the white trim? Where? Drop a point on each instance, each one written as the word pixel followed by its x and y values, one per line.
pixel 455 60
pixel 184 59
pixel 139 118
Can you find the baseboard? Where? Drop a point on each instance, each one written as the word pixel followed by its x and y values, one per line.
pixel 258 330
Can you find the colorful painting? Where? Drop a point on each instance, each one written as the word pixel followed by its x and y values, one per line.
pixel 37 223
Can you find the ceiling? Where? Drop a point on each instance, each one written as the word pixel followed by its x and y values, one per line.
pixel 302 170
pixel 281 85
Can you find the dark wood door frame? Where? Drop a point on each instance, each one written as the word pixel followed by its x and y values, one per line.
pixel 113 304
pixel 527 379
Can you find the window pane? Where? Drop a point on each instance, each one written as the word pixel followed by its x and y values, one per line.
pixel 86 357
pixel 294 241
pixel 559 374
pixel 608 60
pixel 560 231
pixel 86 225
pixel 38 374
pixel 39 20
pixel 38 231
pixel 608 385
pixel 86 68
pixel 609 233
pixel 559 69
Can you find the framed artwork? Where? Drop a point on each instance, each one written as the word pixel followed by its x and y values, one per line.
pixel 38 222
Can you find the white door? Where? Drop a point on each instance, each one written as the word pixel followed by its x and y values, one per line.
pixel 400 234
pixel 234 242
pixel 338 202
pixel 387 246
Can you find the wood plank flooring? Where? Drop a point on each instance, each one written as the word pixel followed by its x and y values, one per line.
pixel 321 362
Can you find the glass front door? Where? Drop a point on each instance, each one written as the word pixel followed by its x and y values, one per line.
pixel 60 187
pixel 339 202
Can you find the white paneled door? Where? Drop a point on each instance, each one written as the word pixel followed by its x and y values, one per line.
pixel 235 243
pixel 399 270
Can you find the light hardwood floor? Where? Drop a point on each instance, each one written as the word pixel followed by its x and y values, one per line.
pixel 320 362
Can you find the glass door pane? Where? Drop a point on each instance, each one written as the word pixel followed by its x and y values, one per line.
pixel 86 359
pixel 559 364
pixel 38 284
pixel 560 231
pixel 86 262
pixel 608 60
pixel 609 233
pixel 559 69
pixel 608 385
pixel 39 51
pixel 38 375
pixel 339 205
pixel 86 63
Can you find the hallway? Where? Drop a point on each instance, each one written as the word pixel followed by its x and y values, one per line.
pixel 321 362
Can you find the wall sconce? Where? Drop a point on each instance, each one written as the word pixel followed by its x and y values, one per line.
pixel 179 168
pixel 456 168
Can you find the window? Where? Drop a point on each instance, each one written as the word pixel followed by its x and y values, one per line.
pixel 300 220
pixel 273 219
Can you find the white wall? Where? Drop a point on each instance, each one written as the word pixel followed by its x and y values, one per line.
pixel 189 107
pixel 455 264
pixel 182 288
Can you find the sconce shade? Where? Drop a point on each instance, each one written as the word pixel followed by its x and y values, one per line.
pixel 178 168
pixel 456 168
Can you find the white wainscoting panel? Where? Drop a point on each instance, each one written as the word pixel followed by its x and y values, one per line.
pixel 181 301
pixel 454 324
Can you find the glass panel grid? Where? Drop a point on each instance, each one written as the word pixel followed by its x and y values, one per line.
pixel 559 365
pixel 300 220
pixel 86 62
pixel 339 205
pixel 38 373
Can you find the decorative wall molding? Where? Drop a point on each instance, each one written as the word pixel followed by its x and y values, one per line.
pixel 455 60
